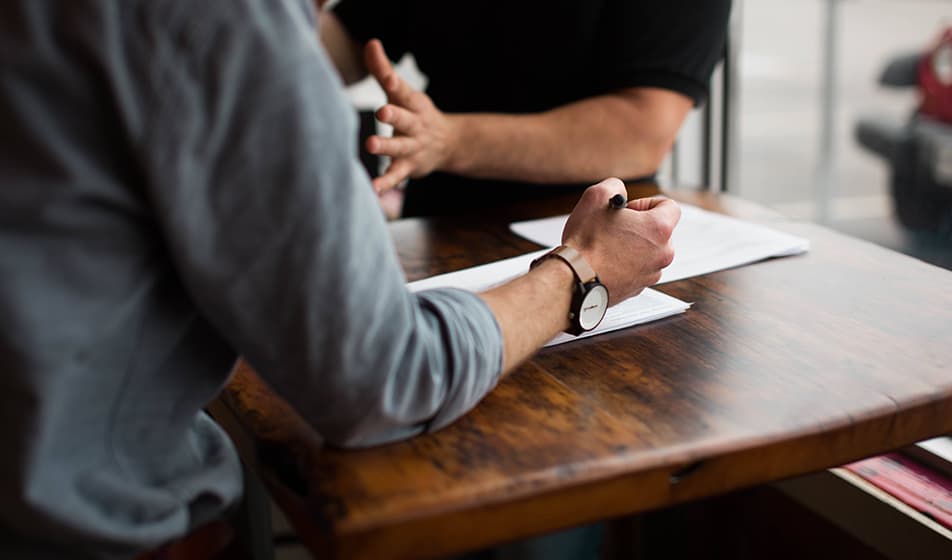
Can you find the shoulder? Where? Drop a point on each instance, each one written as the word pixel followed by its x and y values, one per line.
pixel 196 24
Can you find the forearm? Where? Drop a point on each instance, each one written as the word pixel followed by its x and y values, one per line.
pixel 625 134
pixel 531 310
pixel 344 52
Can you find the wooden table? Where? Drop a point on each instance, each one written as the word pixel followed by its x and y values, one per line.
pixel 780 368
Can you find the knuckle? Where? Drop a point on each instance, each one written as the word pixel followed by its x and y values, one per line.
pixel 609 187
pixel 667 256
pixel 603 190
pixel 599 190
pixel 661 229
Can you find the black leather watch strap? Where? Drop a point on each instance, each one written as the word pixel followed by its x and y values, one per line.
pixel 583 271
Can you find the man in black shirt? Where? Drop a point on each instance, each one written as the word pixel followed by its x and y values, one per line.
pixel 535 92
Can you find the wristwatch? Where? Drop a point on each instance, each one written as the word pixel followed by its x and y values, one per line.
pixel 589 295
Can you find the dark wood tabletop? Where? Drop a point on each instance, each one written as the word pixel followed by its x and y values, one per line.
pixel 780 368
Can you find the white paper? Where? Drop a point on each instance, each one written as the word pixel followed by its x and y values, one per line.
pixel 482 277
pixel 703 242
pixel 649 305
pixel 940 447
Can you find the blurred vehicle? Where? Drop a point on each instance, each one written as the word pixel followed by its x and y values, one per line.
pixel 918 151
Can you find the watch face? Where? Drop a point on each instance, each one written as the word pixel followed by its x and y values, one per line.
pixel 594 307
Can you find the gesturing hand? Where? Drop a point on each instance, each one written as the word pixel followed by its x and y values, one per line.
pixel 627 248
pixel 423 136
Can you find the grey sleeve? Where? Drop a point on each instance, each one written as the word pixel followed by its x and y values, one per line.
pixel 250 153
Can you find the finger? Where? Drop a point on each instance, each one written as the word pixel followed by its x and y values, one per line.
pixel 645 204
pixel 612 186
pixel 395 147
pixel 399 118
pixel 398 171
pixel 391 201
pixel 380 68
pixel 599 194
pixel 666 213
pixel 375 58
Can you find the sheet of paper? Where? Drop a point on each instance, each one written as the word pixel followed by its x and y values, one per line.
pixel 650 305
pixel 703 242
pixel 479 278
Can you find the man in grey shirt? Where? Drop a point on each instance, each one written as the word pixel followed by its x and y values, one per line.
pixel 178 186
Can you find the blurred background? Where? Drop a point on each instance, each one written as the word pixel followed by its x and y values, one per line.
pixel 784 53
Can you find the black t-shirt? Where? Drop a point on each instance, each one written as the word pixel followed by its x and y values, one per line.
pixel 533 55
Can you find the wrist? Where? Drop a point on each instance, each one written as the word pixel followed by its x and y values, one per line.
pixel 455 159
pixel 558 272
pixel 589 301
pixel 585 251
pixel 559 280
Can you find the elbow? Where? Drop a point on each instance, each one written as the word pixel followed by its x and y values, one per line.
pixel 641 158
pixel 389 408
pixel 388 396
pixel 392 383
pixel 362 439
pixel 367 421
pixel 648 123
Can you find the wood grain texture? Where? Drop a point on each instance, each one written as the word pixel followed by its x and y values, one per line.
pixel 780 368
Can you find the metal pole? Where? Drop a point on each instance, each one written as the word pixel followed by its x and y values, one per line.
pixel 730 101
pixel 707 144
pixel 826 156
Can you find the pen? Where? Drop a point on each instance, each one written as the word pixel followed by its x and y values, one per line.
pixel 618 202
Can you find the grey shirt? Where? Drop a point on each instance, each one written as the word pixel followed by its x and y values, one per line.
pixel 179 185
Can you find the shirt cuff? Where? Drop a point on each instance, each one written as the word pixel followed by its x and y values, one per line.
pixel 474 346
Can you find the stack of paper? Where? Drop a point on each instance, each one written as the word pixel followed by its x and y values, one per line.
pixel 703 242
pixel 647 306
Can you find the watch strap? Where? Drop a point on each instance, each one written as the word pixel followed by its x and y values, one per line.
pixel 583 271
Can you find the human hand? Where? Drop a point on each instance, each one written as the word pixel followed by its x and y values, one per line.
pixel 627 248
pixel 423 137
